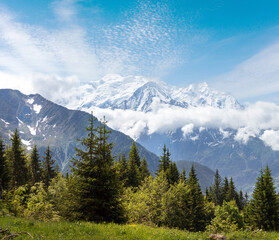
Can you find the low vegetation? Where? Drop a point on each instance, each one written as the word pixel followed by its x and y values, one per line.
pixel 111 231
pixel 36 199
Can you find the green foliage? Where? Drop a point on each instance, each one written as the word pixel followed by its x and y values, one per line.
pixel 216 194
pixel 35 166
pixel 227 218
pixel 263 208
pixel 17 160
pixel 143 169
pixel 145 205
pixel 61 196
pixel 121 167
pixel 164 160
pixel 38 205
pixel 172 173
pixel 197 217
pixel 134 154
pixel 95 186
pixel 134 175
pixel 175 206
pixel 48 168
pixel 184 206
pixel 4 170
pixel 15 200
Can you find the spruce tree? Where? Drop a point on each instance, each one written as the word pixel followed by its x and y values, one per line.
pixel 182 176
pixel 4 174
pixel 232 193
pixel 134 154
pixel 134 177
pixel 172 173
pixel 225 190
pixel 216 190
pixel 164 161
pixel 196 203
pixel 48 168
pixel 122 169
pixel 17 159
pixel 143 169
pixel 35 166
pixel 263 207
pixel 96 184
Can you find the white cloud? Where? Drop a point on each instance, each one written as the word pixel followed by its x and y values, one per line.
pixel 187 129
pixel 243 134
pixel 257 76
pixel 141 42
pixel 271 138
pixel 249 122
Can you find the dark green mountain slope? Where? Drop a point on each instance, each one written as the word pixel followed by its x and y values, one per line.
pixel 44 123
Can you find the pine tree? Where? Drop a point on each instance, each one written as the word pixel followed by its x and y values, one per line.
pixel 182 176
pixel 143 169
pixel 225 190
pixel 232 193
pixel 263 207
pixel 134 154
pixel 164 161
pixel 134 178
pixel 216 190
pixel 4 174
pixel 17 158
pixel 196 203
pixel 48 170
pixel 35 166
pixel 122 169
pixel 96 184
pixel 172 173
pixel 241 201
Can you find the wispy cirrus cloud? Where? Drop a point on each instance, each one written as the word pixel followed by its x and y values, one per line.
pixel 142 42
pixel 255 77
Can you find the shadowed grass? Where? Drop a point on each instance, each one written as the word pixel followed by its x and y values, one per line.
pixel 84 230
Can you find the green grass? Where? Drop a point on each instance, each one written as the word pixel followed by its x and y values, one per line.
pixel 85 230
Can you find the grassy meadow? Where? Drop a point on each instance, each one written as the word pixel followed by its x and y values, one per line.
pixel 85 230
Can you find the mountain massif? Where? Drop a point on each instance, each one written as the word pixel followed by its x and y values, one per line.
pixel 44 123
pixel 215 144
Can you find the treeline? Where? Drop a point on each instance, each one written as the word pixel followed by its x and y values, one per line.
pixel 101 188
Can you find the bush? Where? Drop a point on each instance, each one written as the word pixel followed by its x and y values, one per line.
pixel 38 206
pixel 227 218
pixel 145 205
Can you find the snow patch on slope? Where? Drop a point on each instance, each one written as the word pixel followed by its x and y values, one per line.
pixel 37 108
pixel 32 130
pixel 30 100
pixel 27 144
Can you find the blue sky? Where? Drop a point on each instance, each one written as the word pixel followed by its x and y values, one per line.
pixel 233 45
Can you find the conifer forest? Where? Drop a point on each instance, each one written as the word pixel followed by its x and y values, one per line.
pixel 101 188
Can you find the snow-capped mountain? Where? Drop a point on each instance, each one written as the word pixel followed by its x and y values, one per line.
pixel 138 93
pixel 44 123
pixel 197 123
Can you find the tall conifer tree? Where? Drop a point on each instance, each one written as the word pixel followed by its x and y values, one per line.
pixel 195 202
pixel 263 208
pixel 97 187
pixel 35 166
pixel 134 177
pixel 172 173
pixel 48 171
pixel 164 161
pixel 4 174
pixel 17 159
pixel 144 171
pixel 216 190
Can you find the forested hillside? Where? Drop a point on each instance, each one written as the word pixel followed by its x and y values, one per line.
pixel 102 189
